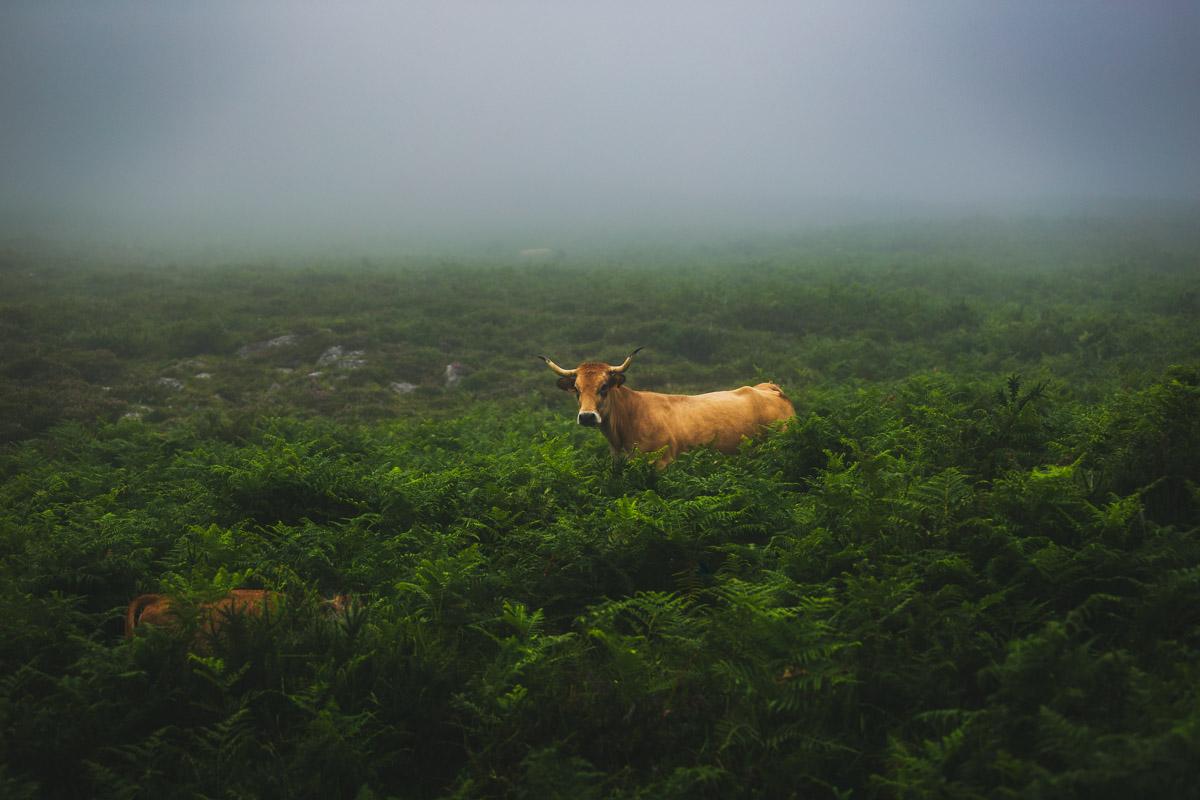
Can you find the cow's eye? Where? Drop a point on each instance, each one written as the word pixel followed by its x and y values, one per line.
pixel 603 391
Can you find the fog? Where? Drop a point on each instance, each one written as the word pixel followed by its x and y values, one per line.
pixel 366 127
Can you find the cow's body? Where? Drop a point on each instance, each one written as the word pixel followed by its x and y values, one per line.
pixel 160 611
pixel 649 421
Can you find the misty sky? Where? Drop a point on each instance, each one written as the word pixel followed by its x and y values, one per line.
pixel 360 124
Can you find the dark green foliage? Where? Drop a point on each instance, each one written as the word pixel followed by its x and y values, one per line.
pixel 966 572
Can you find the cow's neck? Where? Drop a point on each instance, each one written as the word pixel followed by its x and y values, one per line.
pixel 615 427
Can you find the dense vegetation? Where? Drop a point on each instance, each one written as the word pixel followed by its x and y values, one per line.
pixel 970 567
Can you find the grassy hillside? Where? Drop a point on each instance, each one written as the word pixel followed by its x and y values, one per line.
pixel 969 568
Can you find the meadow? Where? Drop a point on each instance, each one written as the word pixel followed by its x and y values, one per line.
pixel 969 567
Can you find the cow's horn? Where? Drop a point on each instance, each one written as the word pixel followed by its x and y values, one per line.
pixel 627 361
pixel 557 368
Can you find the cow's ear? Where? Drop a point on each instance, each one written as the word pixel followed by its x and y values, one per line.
pixel 616 379
pixel 566 383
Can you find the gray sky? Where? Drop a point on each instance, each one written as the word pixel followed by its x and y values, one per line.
pixel 367 124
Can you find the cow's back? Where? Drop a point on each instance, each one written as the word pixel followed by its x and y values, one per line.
pixel 745 411
pixel 237 603
pixel 777 402
pixel 722 419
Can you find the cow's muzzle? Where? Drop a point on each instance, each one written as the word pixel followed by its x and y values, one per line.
pixel 589 418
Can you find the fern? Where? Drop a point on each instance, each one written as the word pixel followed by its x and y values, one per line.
pixel 940 579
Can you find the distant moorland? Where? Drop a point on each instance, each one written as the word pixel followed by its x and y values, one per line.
pixel 969 568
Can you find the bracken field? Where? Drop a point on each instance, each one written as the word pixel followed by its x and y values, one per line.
pixel 969 567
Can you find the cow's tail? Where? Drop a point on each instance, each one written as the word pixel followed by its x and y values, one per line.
pixel 134 613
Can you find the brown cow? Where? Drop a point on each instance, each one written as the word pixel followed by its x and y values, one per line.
pixel 649 421
pixel 159 610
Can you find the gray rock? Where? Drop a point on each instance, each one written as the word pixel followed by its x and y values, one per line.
pixel 454 374
pixel 136 412
pixel 257 348
pixel 331 356
pixel 339 357
pixel 403 387
pixel 173 384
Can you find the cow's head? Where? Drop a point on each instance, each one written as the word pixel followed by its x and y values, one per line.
pixel 591 382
